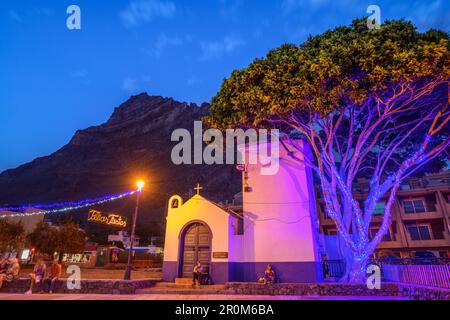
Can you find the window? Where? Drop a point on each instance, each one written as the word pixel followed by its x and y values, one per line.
pixel 239 226
pixel 420 232
pixel 414 206
pixel 379 209
pixel 373 233
pixel 332 232
pixel 175 203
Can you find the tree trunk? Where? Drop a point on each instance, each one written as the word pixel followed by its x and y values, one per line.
pixel 358 270
pixel 347 256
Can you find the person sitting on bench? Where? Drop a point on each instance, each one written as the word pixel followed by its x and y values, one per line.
pixel 4 266
pixel 55 274
pixel 269 275
pixel 197 274
pixel 37 276
pixel 12 273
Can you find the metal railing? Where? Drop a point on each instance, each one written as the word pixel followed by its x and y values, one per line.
pixel 410 261
pixel 427 207
pixel 427 275
pixel 333 269
pixel 395 269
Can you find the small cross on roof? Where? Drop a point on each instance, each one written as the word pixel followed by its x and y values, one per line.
pixel 198 188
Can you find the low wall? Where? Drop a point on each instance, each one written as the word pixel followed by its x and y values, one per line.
pixel 422 292
pixel 309 289
pixel 87 286
pixel 338 289
pixel 249 288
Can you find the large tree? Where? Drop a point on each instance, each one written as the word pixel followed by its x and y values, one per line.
pixel 369 103
pixel 64 238
pixel 12 237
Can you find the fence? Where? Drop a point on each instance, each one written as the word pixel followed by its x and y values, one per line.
pixel 333 269
pixel 427 275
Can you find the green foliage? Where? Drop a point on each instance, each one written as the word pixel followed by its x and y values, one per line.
pixel 340 67
pixel 369 103
pixel 64 238
pixel 12 236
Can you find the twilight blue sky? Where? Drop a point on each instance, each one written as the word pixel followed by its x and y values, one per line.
pixel 54 81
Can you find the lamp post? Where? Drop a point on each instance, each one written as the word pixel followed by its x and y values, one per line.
pixel 140 185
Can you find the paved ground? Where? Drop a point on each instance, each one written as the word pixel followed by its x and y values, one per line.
pixel 8 296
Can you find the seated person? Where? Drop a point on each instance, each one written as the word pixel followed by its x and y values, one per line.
pixel 197 274
pixel 12 273
pixel 269 275
pixel 4 265
pixel 38 274
pixel 55 274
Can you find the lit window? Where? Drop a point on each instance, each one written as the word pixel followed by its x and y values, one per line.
pixel 379 209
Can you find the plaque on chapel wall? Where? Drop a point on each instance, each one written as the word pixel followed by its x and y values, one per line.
pixel 220 255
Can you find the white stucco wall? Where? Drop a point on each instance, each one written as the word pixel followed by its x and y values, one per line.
pixel 196 209
pixel 278 214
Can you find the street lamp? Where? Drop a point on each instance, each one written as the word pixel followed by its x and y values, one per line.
pixel 140 185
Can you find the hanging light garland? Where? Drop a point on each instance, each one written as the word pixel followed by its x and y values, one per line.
pixel 68 206
pixel 65 204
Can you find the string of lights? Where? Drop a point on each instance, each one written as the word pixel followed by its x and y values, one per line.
pixel 74 206
pixel 64 204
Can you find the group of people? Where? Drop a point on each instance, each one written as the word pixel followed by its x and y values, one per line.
pixel 10 271
pixel 38 276
pixel 197 278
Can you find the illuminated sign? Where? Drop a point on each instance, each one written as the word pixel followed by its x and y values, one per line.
pixel 110 219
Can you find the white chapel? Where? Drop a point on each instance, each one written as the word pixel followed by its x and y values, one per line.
pixel 276 224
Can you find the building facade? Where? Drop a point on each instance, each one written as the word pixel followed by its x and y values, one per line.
pixel 276 224
pixel 420 218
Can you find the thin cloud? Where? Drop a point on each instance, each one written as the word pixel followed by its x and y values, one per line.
pixel 230 8
pixel 289 6
pixel 129 84
pixel 144 11
pixel 428 15
pixel 192 81
pixel 165 41
pixel 216 49
pixel 43 11
pixel 133 84
pixel 79 73
pixel 15 16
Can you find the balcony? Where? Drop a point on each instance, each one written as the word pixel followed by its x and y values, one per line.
pixel 427 182
pixel 433 243
pixel 422 215
pixel 427 211
pixel 391 244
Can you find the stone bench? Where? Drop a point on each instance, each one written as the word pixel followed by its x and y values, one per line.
pixel 86 286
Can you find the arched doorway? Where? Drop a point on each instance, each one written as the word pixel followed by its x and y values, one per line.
pixel 195 246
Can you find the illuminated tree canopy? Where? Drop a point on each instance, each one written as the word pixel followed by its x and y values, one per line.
pixel 370 103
